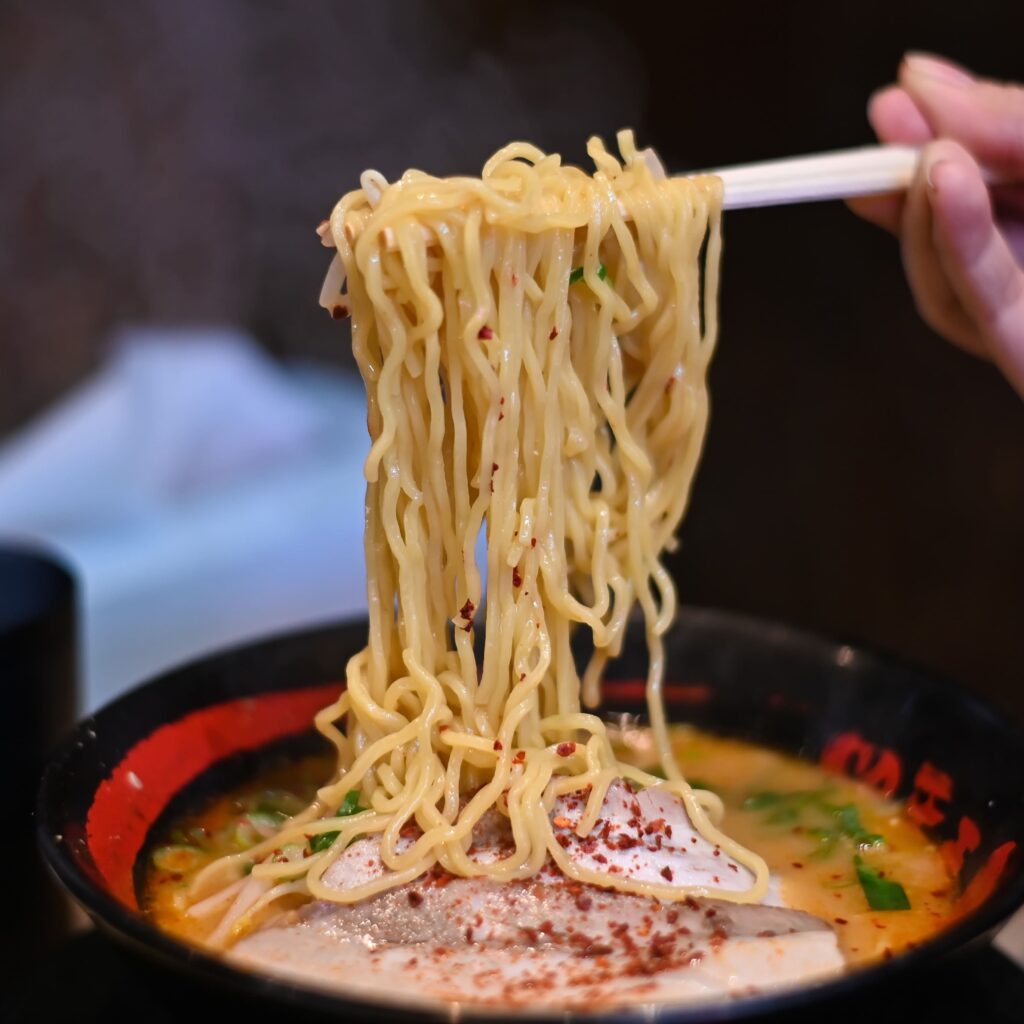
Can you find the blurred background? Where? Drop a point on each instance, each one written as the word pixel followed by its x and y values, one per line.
pixel 182 423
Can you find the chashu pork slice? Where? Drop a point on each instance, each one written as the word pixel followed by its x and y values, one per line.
pixel 549 940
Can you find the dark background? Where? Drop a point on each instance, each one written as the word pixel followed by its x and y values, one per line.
pixel 168 162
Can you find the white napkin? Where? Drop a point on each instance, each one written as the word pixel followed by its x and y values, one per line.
pixel 172 415
pixel 203 494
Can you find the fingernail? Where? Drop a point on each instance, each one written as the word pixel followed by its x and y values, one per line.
pixel 929 171
pixel 937 69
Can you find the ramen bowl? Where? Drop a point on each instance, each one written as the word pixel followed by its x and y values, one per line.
pixel 214 723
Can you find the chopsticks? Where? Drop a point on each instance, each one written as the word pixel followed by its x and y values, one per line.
pixel 842 174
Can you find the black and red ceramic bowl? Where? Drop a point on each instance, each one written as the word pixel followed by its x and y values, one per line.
pixel 958 764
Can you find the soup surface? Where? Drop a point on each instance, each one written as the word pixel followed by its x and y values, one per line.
pixel 840 851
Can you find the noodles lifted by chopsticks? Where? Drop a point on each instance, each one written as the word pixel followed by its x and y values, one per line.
pixel 534 346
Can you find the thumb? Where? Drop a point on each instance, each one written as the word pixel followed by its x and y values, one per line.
pixel 975 257
pixel 985 117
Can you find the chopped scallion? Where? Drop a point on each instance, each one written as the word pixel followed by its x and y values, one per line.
pixel 881 893
pixel 322 841
pixel 577 273
pixel 177 858
pixel 349 806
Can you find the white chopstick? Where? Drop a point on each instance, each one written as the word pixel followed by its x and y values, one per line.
pixel 843 174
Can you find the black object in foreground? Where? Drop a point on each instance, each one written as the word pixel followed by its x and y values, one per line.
pixel 38 670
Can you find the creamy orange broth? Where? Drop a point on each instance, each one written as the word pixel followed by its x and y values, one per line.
pixel 817 876
pixel 825 886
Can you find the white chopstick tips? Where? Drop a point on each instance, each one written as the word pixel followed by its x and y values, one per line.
pixel 843 174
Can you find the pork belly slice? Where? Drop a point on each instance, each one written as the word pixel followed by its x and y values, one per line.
pixel 549 940
pixel 644 837
pixel 540 944
pixel 548 912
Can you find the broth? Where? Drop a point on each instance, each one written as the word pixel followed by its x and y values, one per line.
pixel 839 849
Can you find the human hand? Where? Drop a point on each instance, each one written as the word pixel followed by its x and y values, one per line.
pixel 962 242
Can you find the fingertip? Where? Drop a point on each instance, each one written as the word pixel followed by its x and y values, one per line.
pixel 920 67
pixel 895 117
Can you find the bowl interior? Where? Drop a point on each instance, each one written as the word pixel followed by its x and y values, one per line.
pixel 954 761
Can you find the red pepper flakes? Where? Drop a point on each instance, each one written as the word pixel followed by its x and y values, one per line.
pixel 498 745
pixel 339 312
pixel 517 580
pixel 797 864
pixel 553 334
pixel 562 839
pixel 467 610
pixel 666 873
pixel 520 757
pixel 415 898
pixel 565 749
pixel 562 822
pixel 840 920
pixel 533 542
pixel 485 333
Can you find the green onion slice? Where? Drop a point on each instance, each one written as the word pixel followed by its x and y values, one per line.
pixel 882 893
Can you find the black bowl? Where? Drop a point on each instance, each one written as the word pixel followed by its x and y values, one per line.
pixel 956 762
